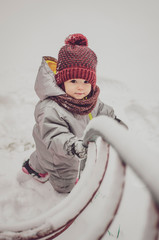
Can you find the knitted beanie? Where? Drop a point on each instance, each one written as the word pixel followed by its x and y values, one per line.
pixel 76 60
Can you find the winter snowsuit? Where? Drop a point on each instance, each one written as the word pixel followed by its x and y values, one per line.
pixel 55 127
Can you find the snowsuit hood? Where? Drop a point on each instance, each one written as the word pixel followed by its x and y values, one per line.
pixel 45 84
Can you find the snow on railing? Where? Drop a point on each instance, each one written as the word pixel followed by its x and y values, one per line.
pixel 88 211
pixel 79 205
pixel 136 154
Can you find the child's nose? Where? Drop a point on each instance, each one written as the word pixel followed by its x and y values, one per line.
pixel 80 86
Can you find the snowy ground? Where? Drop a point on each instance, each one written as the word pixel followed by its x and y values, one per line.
pixel 124 35
pixel 21 200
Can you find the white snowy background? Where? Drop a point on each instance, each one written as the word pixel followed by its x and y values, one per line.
pixel 125 35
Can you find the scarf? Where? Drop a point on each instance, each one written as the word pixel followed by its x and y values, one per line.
pixel 78 106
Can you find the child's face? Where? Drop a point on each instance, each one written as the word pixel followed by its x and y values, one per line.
pixel 77 88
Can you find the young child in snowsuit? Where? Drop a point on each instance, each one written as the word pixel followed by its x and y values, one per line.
pixel 68 101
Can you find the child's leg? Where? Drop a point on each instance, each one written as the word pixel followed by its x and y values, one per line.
pixel 63 179
pixel 64 176
pixel 62 185
pixel 34 163
pixel 32 167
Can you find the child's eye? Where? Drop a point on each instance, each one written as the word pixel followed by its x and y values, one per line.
pixel 73 81
pixel 86 82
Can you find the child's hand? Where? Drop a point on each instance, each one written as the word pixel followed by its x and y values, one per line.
pixel 76 148
pixel 79 150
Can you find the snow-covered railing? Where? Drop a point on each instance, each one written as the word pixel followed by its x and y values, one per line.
pixel 85 204
pixel 131 150
pixel 136 154
pixel 88 211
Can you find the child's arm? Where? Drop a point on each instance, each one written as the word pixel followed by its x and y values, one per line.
pixel 57 137
pixel 105 109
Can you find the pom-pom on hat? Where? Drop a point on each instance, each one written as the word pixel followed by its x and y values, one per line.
pixel 76 60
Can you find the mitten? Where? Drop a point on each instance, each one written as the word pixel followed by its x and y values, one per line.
pixel 76 148
pixel 79 150
pixel 121 122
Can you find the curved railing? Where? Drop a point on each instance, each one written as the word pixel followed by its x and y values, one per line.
pixel 88 211
pixel 135 153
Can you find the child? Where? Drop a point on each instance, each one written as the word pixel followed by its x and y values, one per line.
pixel 68 101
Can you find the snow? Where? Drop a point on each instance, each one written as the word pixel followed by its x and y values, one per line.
pixel 125 36
pixel 133 153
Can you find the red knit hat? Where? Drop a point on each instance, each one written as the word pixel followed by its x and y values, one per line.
pixel 76 60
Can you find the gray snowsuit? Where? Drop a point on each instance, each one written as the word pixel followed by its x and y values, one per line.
pixel 55 128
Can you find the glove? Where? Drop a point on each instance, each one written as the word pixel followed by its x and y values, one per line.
pixel 121 122
pixel 76 148
pixel 79 150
